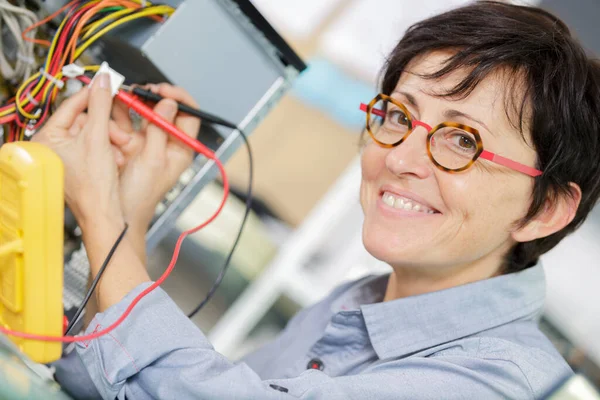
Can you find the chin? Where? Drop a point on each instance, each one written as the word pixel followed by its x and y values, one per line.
pixel 390 247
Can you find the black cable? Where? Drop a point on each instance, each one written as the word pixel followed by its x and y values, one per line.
pixel 217 282
pixel 88 295
pixel 206 117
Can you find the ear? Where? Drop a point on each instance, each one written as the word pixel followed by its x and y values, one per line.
pixel 555 216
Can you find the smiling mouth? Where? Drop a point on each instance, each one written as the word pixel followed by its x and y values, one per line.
pixel 404 203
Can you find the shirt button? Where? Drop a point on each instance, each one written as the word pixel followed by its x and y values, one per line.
pixel 315 363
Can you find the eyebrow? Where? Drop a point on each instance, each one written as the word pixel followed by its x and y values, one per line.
pixel 410 98
pixel 449 114
pixel 455 113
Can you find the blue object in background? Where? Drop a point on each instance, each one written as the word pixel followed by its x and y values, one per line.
pixel 327 87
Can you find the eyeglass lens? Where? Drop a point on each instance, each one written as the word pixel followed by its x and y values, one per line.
pixel 451 147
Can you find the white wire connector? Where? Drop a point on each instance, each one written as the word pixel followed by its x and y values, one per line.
pixel 32 99
pixel 73 71
pixel 73 86
pixel 116 79
pixel 52 79
pixel 30 129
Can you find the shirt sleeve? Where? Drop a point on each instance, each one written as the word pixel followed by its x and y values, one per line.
pixel 157 352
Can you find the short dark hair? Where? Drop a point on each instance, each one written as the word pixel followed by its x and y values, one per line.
pixel 559 97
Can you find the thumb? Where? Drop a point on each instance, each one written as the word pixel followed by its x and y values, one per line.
pixel 99 109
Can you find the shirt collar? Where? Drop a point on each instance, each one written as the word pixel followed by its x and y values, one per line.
pixel 400 327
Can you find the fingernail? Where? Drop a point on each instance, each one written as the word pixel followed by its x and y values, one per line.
pixel 103 81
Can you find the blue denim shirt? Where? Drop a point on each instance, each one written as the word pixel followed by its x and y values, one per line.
pixel 476 341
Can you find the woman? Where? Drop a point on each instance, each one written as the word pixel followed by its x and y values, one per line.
pixel 481 156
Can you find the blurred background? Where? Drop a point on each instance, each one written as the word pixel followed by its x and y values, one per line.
pixel 303 237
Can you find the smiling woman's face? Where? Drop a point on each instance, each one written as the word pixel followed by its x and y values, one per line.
pixel 475 210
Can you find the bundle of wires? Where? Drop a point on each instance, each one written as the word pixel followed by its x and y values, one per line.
pixel 16 20
pixel 84 23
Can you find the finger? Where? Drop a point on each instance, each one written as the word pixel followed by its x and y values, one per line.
pixel 64 117
pixel 187 123
pixel 78 124
pixel 117 136
pixel 144 123
pixel 156 138
pixel 135 145
pixel 120 114
pixel 99 107
pixel 119 157
pixel 176 93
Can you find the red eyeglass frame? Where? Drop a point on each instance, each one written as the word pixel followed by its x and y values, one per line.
pixel 486 155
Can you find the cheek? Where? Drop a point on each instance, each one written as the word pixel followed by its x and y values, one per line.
pixel 372 161
pixel 372 165
pixel 484 207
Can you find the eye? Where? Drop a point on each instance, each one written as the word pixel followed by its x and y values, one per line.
pixel 397 117
pixel 465 142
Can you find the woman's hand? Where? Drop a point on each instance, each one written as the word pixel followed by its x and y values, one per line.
pixel 92 185
pixel 82 142
pixel 153 159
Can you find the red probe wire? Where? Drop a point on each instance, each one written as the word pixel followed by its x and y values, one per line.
pixel 157 120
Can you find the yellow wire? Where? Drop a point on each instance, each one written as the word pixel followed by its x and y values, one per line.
pixel 19 92
pixel 92 68
pixel 88 30
pixel 155 10
pixel 152 10
pixel 20 105
pixel 59 76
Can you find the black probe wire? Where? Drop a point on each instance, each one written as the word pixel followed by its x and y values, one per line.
pixel 88 295
pixel 225 266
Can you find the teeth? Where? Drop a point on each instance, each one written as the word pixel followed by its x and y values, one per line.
pixel 388 199
pixel 405 204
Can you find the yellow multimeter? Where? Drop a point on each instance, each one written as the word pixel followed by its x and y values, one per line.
pixel 31 246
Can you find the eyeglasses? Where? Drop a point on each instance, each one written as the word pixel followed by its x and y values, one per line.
pixel 451 146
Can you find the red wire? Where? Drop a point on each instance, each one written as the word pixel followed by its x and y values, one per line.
pixel 11 134
pixel 63 38
pixel 71 339
pixel 7 119
pixel 42 117
pixel 19 123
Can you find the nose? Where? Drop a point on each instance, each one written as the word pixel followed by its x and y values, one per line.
pixel 410 158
